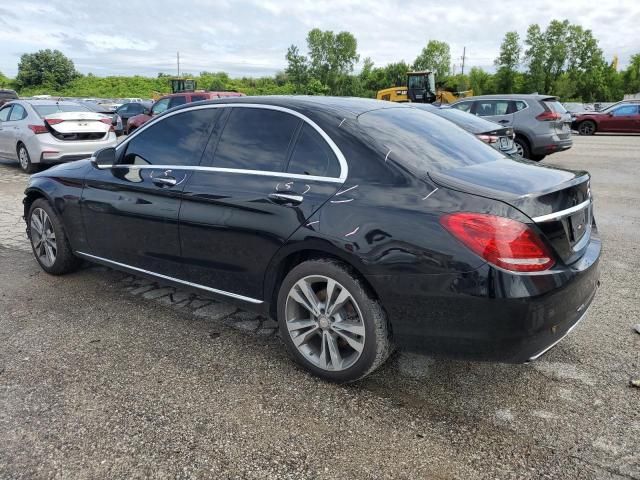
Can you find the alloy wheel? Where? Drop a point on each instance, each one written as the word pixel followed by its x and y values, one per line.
pixel 587 128
pixel 23 156
pixel 325 323
pixel 43 237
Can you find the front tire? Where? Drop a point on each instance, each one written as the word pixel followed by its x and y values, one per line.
pixel 522 147
pixel 49 241
pixel 330 322
pixel 25 160
pixel 587 128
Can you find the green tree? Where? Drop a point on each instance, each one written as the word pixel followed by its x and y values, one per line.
pixel 436 57
pixel 49 68
pixel 481 82
pixel 297 68
pixel 4 80
pixel 631 76
pixel 507 63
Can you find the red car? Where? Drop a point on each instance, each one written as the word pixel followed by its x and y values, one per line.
pixel 619 118
pixel 170 101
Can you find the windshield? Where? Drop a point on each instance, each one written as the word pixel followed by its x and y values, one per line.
pixel 44 110
pixel 424 142
pixel 464 120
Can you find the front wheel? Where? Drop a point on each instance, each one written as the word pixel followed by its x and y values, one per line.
pixel 330 323
pixel 49 241
pixel 587 128
pixel 25 160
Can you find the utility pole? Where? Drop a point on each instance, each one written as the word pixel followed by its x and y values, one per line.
pixel 464 54
pixel 178 57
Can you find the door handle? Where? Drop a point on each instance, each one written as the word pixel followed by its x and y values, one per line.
pixel 165 181
pixel 284 198
pixel 503 122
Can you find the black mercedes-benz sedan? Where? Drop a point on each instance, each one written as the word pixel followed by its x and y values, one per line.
pixel 359 225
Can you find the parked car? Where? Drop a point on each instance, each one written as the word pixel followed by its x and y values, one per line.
pixel 622 117
pixel 359 224
pixel 497 136
pixel 170 101
pixel 541 124
pixel 131 109
pixel 7 95
pixel 37 132
pixel 116 120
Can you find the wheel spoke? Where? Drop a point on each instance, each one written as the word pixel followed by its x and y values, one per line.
pixel 357 345
pixel 334 351
pixel 349 327
pixel 305 296
pixel 342 298
pixel 303 338
pixel 36 224
pixel 323 352
pixel 295 325
pixel 50 255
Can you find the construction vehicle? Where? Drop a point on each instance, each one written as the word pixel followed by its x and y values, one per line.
pixel 421 88
pixel 178 85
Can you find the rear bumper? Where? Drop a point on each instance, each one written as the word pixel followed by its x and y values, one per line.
pixel 47 149
pixel 551 144
pixel 489 314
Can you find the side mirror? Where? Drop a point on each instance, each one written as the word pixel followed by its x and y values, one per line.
pixel 104 158
pixel 610 114
pixel 147 111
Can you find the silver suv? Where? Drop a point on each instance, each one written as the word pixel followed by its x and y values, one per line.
pixel 541 123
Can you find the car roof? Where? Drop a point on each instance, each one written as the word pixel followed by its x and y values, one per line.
pixel 511 96
pixel 352 106
pixel 51 101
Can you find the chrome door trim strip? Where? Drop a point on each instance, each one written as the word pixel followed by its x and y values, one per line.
pixel 344 167
pixel 232 170
pixel 561 213
pixel 173 279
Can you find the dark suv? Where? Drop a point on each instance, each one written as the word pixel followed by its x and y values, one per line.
pixel 7 96
pixel 541 123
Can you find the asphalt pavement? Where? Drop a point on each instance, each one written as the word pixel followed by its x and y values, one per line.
pixel 104 375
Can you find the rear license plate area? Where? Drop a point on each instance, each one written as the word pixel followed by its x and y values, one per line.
pixel 578 224
pixel 505 143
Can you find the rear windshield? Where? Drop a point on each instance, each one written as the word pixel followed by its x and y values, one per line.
pixel 44 110
pixel 425 142
pixel 555 106
pixel 11 95
pixel 465 120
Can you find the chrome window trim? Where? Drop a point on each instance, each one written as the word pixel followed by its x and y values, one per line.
pixel 173 279
pixel 344 167
pixel 562 213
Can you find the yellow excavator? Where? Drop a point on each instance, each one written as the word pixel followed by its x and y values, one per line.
pixel 421 88
pixel 178 85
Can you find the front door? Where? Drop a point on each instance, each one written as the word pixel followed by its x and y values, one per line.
pixel 130 211
pixel 6 132
pixel 270 171
pixel 621 119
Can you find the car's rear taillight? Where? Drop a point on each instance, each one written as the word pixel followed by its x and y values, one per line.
pixel 488 138
pixel 548 116
pixel 109 122
pixel 506 243
pixel 37 129
pixel 54 121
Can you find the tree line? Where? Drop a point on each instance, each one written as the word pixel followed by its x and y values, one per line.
pixel 561 59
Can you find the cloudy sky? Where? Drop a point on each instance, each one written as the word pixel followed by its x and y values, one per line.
pixel 250 37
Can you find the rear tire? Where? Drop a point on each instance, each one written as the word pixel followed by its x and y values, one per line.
pixel 537 158
pixel 25 160
pixel 49 241
pixel 348 337
pixel 587 127
pixel 523 147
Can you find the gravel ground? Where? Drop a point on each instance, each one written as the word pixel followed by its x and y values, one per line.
pixel 103 375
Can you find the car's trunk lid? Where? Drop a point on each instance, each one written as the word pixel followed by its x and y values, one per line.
pixel 557 201
pixel 561 126
pixel 78 125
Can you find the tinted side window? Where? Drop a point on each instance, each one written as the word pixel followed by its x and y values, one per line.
pixel 198 98
pixel 175 101
pixel 618 112
pixel 176 140
pixel 4 113
pixel 312 155
pixel 520 105
pixel 485 108
pixel 18 113
pixel 160 106
pixel 464 106
pixel 255 139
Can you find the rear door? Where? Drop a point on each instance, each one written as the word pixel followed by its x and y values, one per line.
pixel 499 111
pixel 5 131
pixel 130 211
pixel 269 171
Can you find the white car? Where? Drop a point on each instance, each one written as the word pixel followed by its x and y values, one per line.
pixel 37 132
